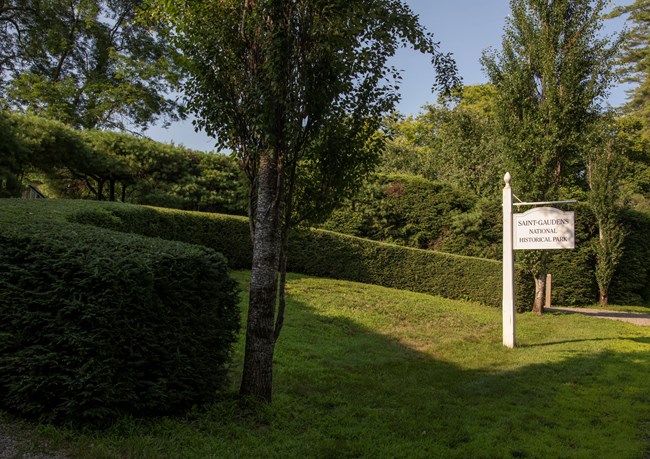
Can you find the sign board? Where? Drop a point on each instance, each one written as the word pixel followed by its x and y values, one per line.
pixel 544 228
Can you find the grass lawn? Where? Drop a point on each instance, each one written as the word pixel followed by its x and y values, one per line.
pixel 366 371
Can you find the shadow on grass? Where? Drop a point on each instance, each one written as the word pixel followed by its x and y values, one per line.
pixel 343 390
pixel 635 339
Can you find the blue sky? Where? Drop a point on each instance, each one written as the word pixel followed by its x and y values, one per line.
pixel 463 27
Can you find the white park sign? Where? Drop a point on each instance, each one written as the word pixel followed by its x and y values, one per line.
pixel 544 228
pixel 538 228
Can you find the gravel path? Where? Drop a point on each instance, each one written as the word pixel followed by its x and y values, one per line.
pixel 15 445
pixel 631 317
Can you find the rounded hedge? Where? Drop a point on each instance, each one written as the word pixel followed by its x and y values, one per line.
pixel 95 323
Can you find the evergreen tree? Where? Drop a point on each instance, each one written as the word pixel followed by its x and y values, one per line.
pixel 634 58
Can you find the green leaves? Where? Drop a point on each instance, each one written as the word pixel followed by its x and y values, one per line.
pixel 551 75
pixel 634 58
pixel 87 63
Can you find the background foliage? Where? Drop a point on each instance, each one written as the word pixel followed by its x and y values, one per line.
pixel 105 165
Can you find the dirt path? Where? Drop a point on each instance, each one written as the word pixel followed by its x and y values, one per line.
pixel 15 444
pixel 631 317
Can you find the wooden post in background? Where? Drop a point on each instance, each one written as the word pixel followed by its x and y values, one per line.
pixel 547 296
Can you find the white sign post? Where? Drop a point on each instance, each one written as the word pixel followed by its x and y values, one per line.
pixel 540 228
pixel 508 268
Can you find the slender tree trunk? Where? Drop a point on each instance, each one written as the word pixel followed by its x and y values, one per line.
pixel 540 292
pixel 100 190
pixel 604 297
pixel 111 189
pixel 257 377
pixel 279 321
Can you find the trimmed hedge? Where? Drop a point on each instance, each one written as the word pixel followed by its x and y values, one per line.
pixel 321 253
pixel 631 283
pixel 574 282
pixel 328 254
pixel 95 323
pixel 227 234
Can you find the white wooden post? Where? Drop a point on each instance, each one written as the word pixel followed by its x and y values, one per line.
pixel 508 268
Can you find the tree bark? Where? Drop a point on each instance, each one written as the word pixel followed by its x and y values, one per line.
pixel 603 297
pixel 540 292
pixel 257 376
pixel 100 190
pixel 111 189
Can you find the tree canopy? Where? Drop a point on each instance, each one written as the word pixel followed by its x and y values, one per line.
pixel 634 58
pixel 87 63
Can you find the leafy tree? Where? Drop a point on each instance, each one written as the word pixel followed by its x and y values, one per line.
pixel 550 75
pixel 605 169
pixel 296 89
pixel 409 147
pixel 87 63
pixel 634 57
pixel 635 147
pixel 453 142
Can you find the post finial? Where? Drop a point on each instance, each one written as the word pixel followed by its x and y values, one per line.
pixel 507 178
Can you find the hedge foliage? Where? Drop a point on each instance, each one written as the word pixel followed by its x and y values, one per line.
pixel 114 166
pixel 574 282
pixel 319 253
pixel 631 283
pixel 416 212
pixel 96 323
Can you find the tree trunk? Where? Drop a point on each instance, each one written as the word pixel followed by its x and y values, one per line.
pixel 540 292
pixel 257 377
pixel 111 189
pixel 603 297
pixel 100 190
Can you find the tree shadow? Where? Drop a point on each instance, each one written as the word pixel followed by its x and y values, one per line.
pixel 373 396
pixel 566 341
pixel 343 390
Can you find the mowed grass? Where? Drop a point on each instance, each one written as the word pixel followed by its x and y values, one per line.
pixel 366 371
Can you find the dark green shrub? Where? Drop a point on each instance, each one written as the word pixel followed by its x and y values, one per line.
pixel 95 323
pixel 401 209
pixel 631 282
pixel 574 282
pixel 320 253
pixel 229 235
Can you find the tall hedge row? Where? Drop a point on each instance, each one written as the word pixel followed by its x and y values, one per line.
pixel 227 234
pixel 416 212
pixel 96 323
pixel 574 282
pixel 328 254
pixel 631 283
pixel 319 253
